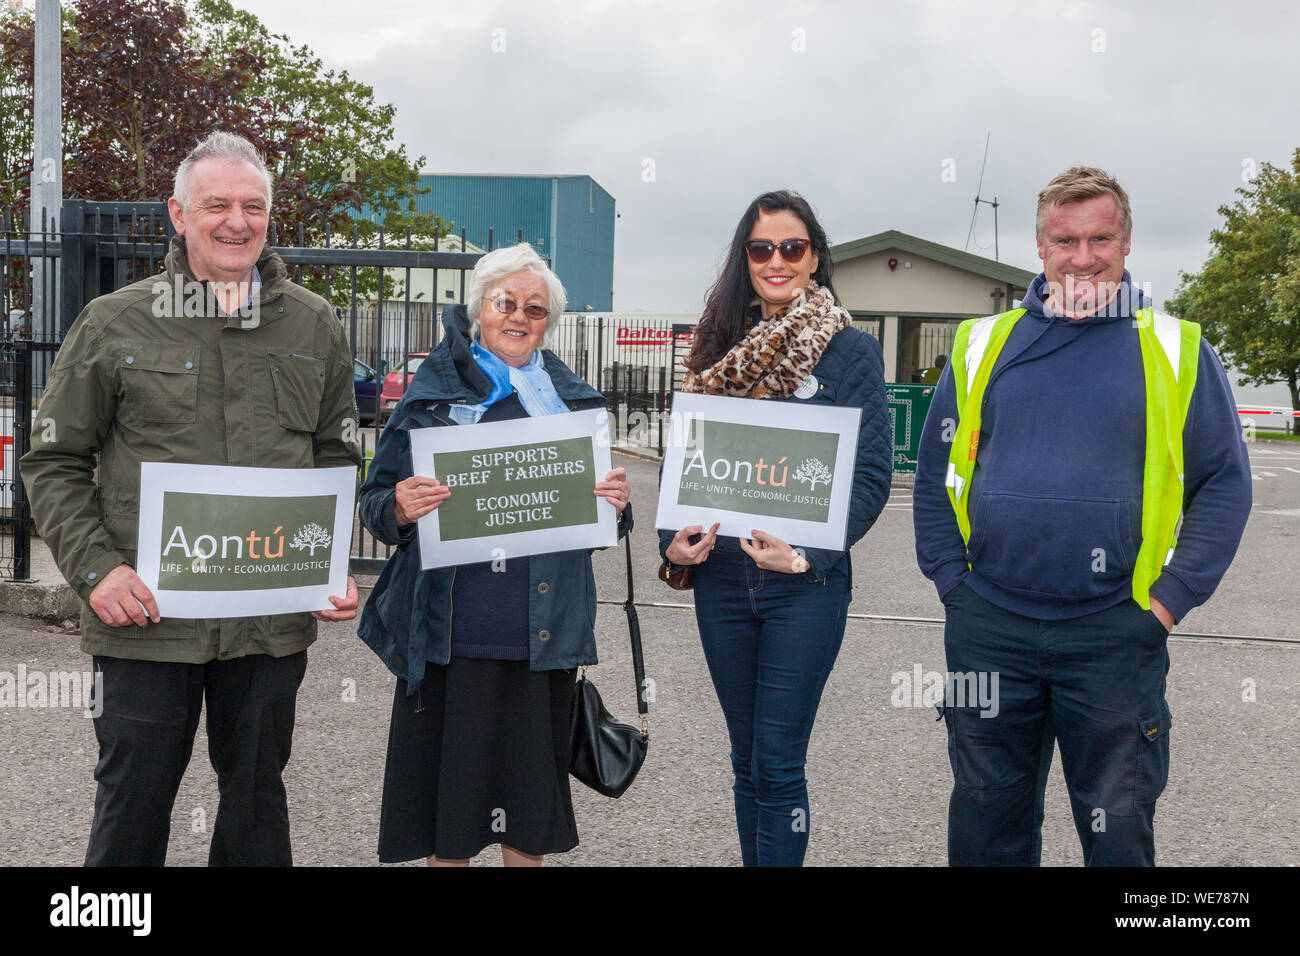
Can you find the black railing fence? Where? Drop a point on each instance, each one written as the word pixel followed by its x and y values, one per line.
pixel 30 333
pixel 389 296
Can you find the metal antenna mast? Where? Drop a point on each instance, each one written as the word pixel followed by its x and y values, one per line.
pixel 978 200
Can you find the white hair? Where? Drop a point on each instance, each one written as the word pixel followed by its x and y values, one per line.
pixel 504 262
pixel 219 145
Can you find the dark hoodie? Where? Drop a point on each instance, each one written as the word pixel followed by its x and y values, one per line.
pixel 1056 497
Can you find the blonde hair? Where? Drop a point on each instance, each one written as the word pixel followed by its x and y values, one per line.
pixel 1077 184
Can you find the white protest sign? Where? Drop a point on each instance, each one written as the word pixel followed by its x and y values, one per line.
pixel 783 468
pixel 518 487
pixel 218 541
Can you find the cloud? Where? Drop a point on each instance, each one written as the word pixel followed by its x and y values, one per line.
pixel 855 105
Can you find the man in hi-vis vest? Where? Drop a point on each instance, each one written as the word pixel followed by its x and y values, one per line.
pixel 1082 484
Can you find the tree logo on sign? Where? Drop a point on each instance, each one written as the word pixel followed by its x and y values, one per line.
pixel 310 537
pixel 812 471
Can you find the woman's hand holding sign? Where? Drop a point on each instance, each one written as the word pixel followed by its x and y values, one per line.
pixel 613 488
pixel 681 552
pixel 772 554
pixel 416 497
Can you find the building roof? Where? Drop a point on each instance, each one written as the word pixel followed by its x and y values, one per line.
pixel 893 239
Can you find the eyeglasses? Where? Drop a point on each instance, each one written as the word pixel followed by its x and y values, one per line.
pixel 792 250
pixel 507 307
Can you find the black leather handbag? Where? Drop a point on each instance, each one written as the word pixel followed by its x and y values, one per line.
pixel 606 754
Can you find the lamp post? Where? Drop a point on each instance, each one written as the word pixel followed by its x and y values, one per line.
pixel 47 161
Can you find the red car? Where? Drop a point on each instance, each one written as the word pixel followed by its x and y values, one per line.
pixel 395 383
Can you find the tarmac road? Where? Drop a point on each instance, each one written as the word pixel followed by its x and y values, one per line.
pixel 878 774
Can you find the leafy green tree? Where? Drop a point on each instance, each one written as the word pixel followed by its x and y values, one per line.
pixel 351 164
pixel 144 80
pixel 136 97
pixel 15 134
pixel 1247 295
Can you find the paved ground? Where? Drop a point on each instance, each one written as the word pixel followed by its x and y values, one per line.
pixel 879 776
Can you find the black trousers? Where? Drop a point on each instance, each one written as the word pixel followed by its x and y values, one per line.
pixel 1095 685
pixel 150 711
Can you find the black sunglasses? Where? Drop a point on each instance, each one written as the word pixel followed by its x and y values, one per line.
pixel 792 250
pixel 506 306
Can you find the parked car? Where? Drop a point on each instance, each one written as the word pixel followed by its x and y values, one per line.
pixel 395 383
pixel 365 380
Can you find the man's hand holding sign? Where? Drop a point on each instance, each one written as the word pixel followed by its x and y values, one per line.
pixel 122 598
pixel 273 540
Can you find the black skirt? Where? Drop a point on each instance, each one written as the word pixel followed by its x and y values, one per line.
pixel 486 760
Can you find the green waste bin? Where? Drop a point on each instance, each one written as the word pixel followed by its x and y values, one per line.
pixel 908 406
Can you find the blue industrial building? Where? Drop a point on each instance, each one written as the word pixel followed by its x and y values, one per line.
pixel 568 219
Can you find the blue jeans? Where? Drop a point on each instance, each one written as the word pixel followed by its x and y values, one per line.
pixel 770 640
pixel 1096 686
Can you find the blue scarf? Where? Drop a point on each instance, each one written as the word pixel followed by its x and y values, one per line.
pixel 536 390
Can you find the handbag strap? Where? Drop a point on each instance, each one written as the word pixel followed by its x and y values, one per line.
pixel 634 627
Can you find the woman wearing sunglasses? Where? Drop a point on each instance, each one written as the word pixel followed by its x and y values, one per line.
pixel 772 615
pixel 478 746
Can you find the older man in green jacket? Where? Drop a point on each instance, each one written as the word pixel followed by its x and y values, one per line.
pixel 222 360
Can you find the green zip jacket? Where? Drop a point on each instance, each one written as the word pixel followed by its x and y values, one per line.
pixel 138 380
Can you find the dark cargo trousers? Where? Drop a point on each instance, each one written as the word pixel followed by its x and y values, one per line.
pixel 146 734
pixel 1095 685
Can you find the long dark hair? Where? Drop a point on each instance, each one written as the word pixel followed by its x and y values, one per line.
pixel 726 311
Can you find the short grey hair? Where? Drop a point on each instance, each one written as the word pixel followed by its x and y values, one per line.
pixel 219 145
pixel 504 262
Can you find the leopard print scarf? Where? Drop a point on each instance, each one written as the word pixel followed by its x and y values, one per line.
pixel 778 353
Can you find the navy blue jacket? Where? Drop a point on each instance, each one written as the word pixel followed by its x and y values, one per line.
pixel 850 373
pixel 407 620
pixel 1056 497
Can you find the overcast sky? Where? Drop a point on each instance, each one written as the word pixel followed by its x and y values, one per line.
pixel 859 106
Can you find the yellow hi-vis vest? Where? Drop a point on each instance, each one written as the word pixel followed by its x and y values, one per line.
pixel 1170 357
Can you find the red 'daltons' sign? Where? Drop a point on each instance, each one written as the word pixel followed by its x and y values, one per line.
pixel 648 337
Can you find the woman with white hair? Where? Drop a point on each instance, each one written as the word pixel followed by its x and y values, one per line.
pixel 485 654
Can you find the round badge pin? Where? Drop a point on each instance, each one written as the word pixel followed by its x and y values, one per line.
pixel 808 389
